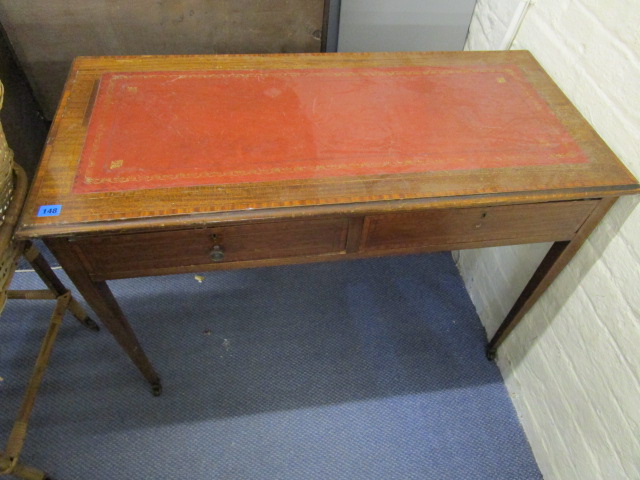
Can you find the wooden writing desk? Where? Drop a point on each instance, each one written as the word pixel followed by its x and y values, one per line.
pixel 158 165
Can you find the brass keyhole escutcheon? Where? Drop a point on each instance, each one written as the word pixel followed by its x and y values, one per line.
pixel 217 253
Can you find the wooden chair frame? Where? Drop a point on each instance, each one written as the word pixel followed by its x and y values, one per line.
pixel 9 459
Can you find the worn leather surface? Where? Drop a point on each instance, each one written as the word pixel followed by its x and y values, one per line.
pixel 162 129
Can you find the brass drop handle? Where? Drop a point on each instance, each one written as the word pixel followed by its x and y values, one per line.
pixel 217 254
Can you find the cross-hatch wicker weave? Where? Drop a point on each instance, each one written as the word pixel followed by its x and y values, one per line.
pixel 6 172
pixel 6 168
pixel 8 259
pixel 8 250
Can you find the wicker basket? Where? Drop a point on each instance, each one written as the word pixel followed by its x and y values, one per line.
pixel 6 168
pixel 8 250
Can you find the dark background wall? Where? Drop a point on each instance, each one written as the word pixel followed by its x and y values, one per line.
pixel 23 124
pixel 47 34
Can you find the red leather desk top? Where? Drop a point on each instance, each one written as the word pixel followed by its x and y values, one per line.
pixel 162 129
pixel 146 142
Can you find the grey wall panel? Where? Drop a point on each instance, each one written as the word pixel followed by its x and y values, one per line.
pixel 404 25
pixel 332 20
pixel 48 34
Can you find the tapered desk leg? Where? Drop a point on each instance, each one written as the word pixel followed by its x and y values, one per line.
pixel 103 303
pixel 552 264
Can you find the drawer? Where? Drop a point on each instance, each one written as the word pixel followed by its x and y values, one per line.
pixel 478 227
pixel 162 252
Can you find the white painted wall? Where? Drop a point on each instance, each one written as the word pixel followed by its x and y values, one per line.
pixel 573 365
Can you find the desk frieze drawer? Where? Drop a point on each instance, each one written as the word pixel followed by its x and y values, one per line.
pixel 453 228
pixel 179 250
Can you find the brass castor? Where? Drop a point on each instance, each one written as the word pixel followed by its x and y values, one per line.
pixel 91 324
pixel 491 354
pixel 156 388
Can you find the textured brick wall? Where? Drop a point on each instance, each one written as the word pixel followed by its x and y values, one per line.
pixel 573 365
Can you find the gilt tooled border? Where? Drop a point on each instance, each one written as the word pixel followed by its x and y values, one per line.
pixel 510 70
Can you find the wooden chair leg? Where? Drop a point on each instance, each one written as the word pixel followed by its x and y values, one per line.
pixel 43 269
pixel 19 431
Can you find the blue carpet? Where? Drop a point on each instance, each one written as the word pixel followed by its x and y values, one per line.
pixel 369 370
